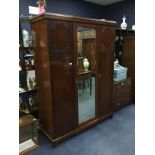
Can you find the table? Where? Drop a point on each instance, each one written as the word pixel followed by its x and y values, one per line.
pixel 83 76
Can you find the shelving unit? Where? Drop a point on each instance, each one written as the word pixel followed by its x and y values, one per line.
pixel 120 35
pixel 28 109
pixel 125 53
pixel 27 90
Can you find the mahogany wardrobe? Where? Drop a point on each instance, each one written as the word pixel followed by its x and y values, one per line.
pixel 72 96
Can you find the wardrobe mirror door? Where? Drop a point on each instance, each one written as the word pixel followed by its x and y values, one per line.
pixel 86 74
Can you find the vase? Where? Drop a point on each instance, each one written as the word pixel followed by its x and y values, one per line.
pixel 133 27
pixel 41 9
pixel 25 34
pixel 124 24
pixel 85 64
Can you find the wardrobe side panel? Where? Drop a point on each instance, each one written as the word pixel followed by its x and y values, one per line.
pixel 43 79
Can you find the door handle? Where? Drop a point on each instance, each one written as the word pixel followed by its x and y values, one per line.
pixel 70 64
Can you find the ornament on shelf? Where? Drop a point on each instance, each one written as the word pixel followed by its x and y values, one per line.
pixel 32 63
pixel 133 27
pixel 20 68
pixel 124 24
pixel 25 34
pixel 31 84
pixel 42 4
pixel 34 83
pixel 116 63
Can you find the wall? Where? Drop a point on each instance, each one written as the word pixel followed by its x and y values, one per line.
pixel 85 9
pixel 70 7
pixel 23 6
pixel 117 10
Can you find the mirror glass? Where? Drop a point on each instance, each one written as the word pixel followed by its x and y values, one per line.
pixel 86 73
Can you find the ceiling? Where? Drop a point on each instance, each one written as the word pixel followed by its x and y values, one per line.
pixel 103 2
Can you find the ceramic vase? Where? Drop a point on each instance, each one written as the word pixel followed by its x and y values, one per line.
pixel 85 64
pixel 124 24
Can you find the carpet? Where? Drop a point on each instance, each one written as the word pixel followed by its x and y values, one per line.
pixel 114 136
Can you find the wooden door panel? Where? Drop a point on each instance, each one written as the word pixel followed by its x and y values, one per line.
pixel 105 70
pixel 128 56
pixel 62 76
pixel 63 92
pixel 128 60
pixel 105 82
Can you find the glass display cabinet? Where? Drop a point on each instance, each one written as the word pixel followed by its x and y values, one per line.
pixel 28 133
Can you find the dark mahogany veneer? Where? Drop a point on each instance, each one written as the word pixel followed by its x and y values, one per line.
pixel 54 43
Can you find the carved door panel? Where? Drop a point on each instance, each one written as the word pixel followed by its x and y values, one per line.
pixel 62 76
pixel 105 70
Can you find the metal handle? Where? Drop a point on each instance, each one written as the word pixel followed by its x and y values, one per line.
pixel 70 64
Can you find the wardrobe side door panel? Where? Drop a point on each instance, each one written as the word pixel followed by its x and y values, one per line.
pixel 63 86
pixel 105 70
pixel 128 60
pixel 128 56
pixel 42 72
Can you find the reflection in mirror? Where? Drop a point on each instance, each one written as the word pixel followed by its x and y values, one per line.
pixel 86 41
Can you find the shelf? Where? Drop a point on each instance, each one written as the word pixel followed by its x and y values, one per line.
pixel 30 70
pixel 22 113
pixel 118 29
pixel 27 146
pixel 22 70
pixel 26 120
pixel 125 32
pixel 28 91
pixel 25 137
pixel 24 18
pixel 28 133
pixel 30 47
pixel 25 70
pixel 28 55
